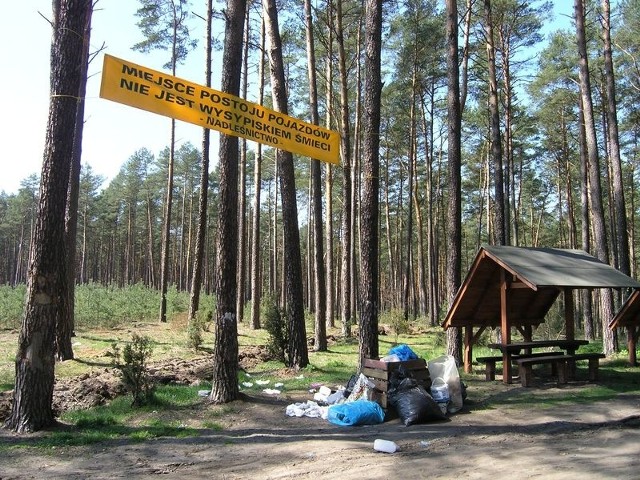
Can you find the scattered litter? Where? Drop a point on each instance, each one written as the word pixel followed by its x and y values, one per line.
pixel 271 391
pixel 322 394
pixel 300 377
pixel 203 393
pixel 386 446
pixel 306 409
pixel 278 385
pixel 425 443
pixel 262 382
pixel 362 389
pixel 247 384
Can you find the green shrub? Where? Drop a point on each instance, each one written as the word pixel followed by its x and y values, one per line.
pixel 275 325
pixel 396 321
pixel 196 328
pixel 132 364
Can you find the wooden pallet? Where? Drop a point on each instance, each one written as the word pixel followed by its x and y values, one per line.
pixel 380 372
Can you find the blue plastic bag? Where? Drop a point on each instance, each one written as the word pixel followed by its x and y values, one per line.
pixel 403 352
pixel 360 412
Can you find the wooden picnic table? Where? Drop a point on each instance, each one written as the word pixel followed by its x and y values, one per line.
pixel 519 348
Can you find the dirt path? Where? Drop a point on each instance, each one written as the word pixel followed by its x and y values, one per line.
pixel 595 441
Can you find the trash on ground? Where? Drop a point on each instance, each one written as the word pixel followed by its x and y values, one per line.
pixel 359 412
pixel 386 446
pixel 306 409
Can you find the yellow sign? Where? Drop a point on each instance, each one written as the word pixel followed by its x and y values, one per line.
pixel 157 92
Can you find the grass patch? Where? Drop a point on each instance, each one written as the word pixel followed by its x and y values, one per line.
pixel 120 421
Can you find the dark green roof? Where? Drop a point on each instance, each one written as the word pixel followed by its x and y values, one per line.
pixel 558 267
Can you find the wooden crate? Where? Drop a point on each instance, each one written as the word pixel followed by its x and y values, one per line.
pixel 380 372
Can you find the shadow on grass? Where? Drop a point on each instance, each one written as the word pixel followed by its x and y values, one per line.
pixel 615 378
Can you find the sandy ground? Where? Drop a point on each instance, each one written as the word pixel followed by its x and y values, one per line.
pixel 484 440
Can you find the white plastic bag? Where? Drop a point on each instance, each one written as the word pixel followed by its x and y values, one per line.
pixel 444 369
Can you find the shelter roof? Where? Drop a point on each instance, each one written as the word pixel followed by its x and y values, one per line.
pixel 629 313
pixel 535 278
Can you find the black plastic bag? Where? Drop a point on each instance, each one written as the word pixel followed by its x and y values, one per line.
pixel 413 403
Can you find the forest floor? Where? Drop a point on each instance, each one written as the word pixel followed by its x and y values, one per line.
pixel 501 432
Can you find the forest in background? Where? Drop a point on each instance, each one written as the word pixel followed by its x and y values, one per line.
pixel 120 224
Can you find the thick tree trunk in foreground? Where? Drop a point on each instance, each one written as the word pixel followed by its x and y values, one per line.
pixel 45 302
pixel 454 222
pixel 225 351
pixel 370 287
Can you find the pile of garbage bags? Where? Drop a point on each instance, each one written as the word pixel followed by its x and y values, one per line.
pixel 414 401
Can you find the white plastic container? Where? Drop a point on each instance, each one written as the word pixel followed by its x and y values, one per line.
pixel 440 390
pixel 386 446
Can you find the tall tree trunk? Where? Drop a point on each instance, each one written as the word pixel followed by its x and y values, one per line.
pixel 256 281
pixel 585 295
pixel 347 234
pixel 328 181
pixel 593 168
pixel 298 356
pixel 225 350
pixel 45 301
pixel 496 138
pixel 242 188
pixel 370 286
pixel 408 272
pixel 619 205
pixel 166 230
pixel 454 215
pixel 320 343
pixel 465 52
pixel 196 282
pixel 65 328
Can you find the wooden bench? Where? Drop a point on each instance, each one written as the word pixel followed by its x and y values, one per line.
pixel 490 362
pixel 490 366
pixel 594 363
pixel 558 362
pixel 563 364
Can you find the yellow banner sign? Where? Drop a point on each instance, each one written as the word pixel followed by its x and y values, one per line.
pixel 157 92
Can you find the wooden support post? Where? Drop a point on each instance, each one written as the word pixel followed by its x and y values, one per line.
pixel 507 374
pixel 632 338
pixel 569 320
pixel 468 346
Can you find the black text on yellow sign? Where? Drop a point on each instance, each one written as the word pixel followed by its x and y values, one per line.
pixel 157 92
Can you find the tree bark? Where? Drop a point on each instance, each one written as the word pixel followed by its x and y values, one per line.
pixel 454 148
pixel 196 281
pixel 320 343
pixel 347 233
pixel 298 356
pixel 620 213
pixel 45 303
pixel 225 351
pixel 593 169
pixel 496 139
pixel 370 285
pixel 256 281
pixel 65 329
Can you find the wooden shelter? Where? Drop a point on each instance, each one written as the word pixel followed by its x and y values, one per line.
pixel 629 317
pixel 516 286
